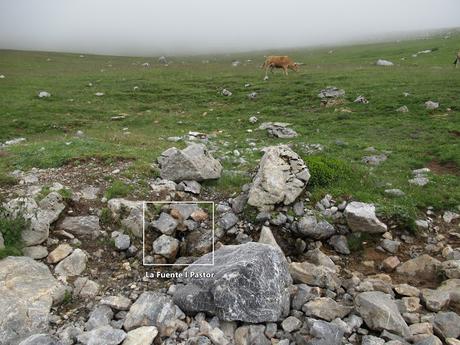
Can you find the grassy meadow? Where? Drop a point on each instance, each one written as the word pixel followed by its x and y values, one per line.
pixel 186 96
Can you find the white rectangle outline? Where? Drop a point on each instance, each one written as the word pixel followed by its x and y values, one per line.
pixel 175 202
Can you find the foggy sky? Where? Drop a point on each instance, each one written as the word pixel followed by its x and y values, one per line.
pixel 154 27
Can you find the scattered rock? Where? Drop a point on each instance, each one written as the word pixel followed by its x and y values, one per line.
pixel 105 335
pixel 166 246
pixel 374 159
pixel 309 227
pixel 340 244
pixel 81 226
pixel 85 288
pixel 239 275
pixel 331 92
pixel 291 324
pixel 73 265
pixel 226 93
pixel 278 130
pixel 116 302
pixel 44 94
pixel 430 105
pixel 381 62
pixel 122 242
pixel 403 109
pixel 281 178
pixel 321 276
pixel 423 266
pixel 361 218
pixel 41 339
pixel 60 252
pixel 361 99
pixel 165 224
pixel 35 252
pixel 326 308
pixel 151 309
pixel 380 312
pixel 192 163
pixel 141 336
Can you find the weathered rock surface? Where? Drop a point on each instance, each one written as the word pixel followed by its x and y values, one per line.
pixel 38 219
pixel 81 225
pixel 151 309
pixel 141 336
pixel 73 265
pixel 281 178
pixel 27 292
pixel 105 335
pixel 326 308
pixel 278 130
pixel 444 296
pixel 423 266
pixel 361 218
pixel 192 163
pixel 60 252
pixel 331 92
pixel 35 252
pixel 166 246
pixel 308 273
pixel 380 312
pixel 249 283
pixel 41 339
pixel 309 227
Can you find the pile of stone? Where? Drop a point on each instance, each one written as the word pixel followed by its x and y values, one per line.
pixel 177 230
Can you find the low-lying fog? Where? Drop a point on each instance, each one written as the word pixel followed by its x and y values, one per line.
pixel 154 27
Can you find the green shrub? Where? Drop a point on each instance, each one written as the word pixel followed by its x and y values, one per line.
pixel 325 171
pixel 11 229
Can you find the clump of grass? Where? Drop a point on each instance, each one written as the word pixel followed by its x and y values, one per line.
pixel 7 180
pixel 118 189
pixel 66 193
pixel 401 216
pixel 106 216
pixel 325 170
pixel 43 193
pixel 11 229
pixel 355 242
pixel 67 297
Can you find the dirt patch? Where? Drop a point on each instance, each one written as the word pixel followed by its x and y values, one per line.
pixel 447 168
pixel 455 133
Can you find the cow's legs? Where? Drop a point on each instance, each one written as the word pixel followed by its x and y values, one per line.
pixel 285 70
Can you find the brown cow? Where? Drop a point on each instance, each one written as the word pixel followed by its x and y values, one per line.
pixel 284 62
pixel 457 60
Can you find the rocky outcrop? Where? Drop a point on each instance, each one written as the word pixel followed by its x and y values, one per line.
pixel 248 283
pixel 27 292
pixel 281 178
pixel 192 163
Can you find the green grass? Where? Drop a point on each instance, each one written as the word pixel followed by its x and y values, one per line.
pixel 185 96
pixel 118 189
